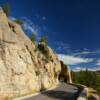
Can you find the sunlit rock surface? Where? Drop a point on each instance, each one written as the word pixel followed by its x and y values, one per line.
pixel 23 68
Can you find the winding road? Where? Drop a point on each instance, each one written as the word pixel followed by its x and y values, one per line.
pixel 62 92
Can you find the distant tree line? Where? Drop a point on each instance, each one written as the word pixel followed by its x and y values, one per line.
pixel 87 78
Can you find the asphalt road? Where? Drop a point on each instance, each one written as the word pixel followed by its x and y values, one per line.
pixel 62 92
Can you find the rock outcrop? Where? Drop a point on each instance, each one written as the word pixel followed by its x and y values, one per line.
pixel 24 67
pixel 65 73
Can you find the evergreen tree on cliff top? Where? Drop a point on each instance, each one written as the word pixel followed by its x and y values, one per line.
pixel 6 9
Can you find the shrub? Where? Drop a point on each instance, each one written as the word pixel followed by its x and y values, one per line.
pixel 6 9
pixel 33 38
pixel 19 21
pixel 44 49
pixel 44 40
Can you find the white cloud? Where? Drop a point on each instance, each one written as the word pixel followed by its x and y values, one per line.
pixel 86 51
pixel 39 17
pixel 43 18
pixel 79 68
pixel 27 26
pixel 61 46
pixel 98 63
pixel 83 53
pixel 83 69
pixel 30 26
pixel 94 69
pixel 73 60
pixel 12 18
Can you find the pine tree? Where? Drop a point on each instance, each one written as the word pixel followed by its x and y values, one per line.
pixel 6 9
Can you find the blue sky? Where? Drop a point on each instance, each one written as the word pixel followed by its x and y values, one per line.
pixel 72 27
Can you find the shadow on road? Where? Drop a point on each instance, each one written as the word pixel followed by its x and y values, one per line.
pixel 62 92
pixel 61 95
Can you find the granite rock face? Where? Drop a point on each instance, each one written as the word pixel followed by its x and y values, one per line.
pixel 24 68
pixel 65 73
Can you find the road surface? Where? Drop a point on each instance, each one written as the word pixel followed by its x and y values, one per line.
pixel 62 92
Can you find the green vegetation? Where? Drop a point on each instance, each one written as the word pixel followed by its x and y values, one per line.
pixel 87 78
pixel 43 47
pixel 45 51
pixel 19 21
pixel 33 38
pixel 44 40
pixel 6 9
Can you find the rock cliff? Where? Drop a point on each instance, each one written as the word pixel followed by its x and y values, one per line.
pixel 65 73
pixel 24 66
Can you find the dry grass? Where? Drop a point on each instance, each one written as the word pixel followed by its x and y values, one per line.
pixel 93 95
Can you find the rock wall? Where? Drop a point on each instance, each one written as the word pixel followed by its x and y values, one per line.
pixel 65 73
pixel 23 66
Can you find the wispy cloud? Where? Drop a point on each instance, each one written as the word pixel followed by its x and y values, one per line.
pixel 94 69
pixel 30 26
pixel 39 17
pixel 83 68
pixel 78 68
pixel 43 18
pixel 61 46
pixel 86 52
pixel 12 18
pixel 98 62
pixel 73 60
